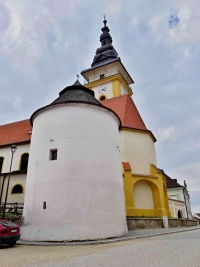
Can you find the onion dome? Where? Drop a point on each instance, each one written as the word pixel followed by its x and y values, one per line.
pixel 106 53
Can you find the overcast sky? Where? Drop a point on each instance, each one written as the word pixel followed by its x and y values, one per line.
pixel 44 44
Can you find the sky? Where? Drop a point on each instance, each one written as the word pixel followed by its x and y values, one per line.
pixel 44 44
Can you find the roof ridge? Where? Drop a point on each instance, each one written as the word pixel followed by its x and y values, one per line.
pixel 138 113
pixel 135 108
pixel 126 108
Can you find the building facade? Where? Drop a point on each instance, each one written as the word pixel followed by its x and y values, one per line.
pixel 178 197
pixel 145 186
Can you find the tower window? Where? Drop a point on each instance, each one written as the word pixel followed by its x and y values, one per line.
pixel 17 189
pixel 101 76
pixel 53 154
pixel 24 162
pixel 104 42
pixel 101 98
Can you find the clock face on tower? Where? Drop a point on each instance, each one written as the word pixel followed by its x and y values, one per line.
pixel 102 89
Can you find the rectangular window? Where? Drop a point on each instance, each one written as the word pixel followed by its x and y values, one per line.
pixel 53 154
pixel 44 205
pixel 101 76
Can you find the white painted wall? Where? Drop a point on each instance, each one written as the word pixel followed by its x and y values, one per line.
pixel 107 70
pixel 6 153
pixel 175 206
pixel 83 188
pixel 14 180
pixel 137 149
pixel 176 193
pixel 124 91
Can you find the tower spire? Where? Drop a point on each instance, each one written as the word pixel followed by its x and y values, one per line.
pixel 105 21
pixel 106 52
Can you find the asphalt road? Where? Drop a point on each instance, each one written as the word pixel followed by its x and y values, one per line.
pixel 172 250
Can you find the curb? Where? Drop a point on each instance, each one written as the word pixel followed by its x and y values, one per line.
pixel 100 241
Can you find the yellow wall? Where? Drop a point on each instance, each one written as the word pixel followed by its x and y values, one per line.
pixel 157 184
pixel 115 86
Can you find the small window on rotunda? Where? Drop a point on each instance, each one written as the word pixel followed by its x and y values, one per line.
pixel 101 76
pixel 17 189
pixel 53 154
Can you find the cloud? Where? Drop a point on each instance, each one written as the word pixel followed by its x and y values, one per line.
pixel 173 19
pixel 24 39
pixel 167 134
pixel 4 18
pixel 112 6
pixel 180 26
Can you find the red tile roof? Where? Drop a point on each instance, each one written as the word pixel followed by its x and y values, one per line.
pixel 15 132
pixel 125 108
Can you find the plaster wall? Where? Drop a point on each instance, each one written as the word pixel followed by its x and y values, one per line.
pixel 6 153
pixel 175 206
pixel 176 193
pixel 108 90
pixel 137 149
pixel 123 90
pixel 142 195
pixel 181 194
pixel 107 70
pixel 14 180
pixel 83 188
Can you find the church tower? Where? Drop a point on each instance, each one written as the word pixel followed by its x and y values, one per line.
pixel 107 76
pixel 144 185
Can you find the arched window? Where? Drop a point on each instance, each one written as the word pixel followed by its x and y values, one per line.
pixel 101 98
pixel 17 189
pixel 1 163
pixel 24 162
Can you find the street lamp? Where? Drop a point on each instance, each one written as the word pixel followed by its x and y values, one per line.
pixel 13 149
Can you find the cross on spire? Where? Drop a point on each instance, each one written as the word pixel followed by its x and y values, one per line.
pixel 105 21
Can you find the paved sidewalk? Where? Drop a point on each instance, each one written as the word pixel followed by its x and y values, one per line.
pixel 133 234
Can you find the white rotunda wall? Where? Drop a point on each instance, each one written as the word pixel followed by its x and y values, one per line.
pixel 83 188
